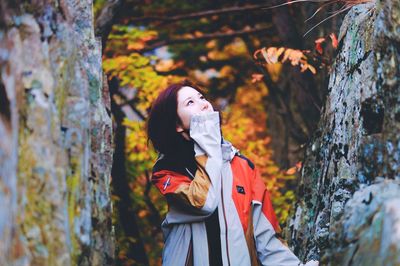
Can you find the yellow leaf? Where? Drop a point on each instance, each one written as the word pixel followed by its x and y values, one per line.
pixel 312 69
pixel 164 65
pixel 274 71
pixel 211 44
pixel 135 46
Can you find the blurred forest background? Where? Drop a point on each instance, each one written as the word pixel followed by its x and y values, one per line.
pixel 314 105
pixel 270 108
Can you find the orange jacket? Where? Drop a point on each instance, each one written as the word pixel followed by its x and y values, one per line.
pixel 247 186
pixel 222 179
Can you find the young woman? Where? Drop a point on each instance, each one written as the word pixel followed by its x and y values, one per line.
pixel 220 212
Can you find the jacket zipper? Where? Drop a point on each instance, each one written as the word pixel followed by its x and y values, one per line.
pixel 226 224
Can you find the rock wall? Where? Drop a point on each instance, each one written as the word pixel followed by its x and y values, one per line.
pixel 349 207
pixel 56 137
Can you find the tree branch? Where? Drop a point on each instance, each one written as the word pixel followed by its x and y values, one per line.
pixel 200 14
pixel 295 129
pixel 205 37
pixel 106 19
pixel 131 103
pixel 127 217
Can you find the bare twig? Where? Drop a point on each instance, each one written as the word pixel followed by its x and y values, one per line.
pixel 325 19
pixel 347 4
pixel 200 14
pixel 205 37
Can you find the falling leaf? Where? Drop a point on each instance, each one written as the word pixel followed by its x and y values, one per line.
pixel 291 171
pixel 312 69
pixel 273 54
pixel 303 67
pixel 274 59
pixel 294 56
pixel 334 40
pixel 318 45
pixel 265 54
pixel 274 71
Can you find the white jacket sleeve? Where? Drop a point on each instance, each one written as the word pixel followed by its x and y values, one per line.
pixel 202 194
pixel 206 133
pixel 270 250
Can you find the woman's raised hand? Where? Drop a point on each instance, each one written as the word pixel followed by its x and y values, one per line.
pixel 205 131
pixel 312 263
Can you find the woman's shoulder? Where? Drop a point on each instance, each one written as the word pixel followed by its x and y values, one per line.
pixel 245 160
pixel 164 168
pixel 172 165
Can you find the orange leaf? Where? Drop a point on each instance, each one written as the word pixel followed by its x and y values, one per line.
pixel 334 40
pixel 318 45
pixel 255 53
pixel 136 46
pixel 291 171
pixel 294 56
pixel 273 54
pixel 265 54
pixel 312 69
pixel 274 71
pixel 256 77
pixel 198 33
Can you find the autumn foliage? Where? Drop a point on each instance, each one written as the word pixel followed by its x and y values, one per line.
pixel 305 59
pixel 243 124
pixel 225 68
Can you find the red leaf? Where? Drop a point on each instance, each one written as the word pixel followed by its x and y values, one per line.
pixel 256 53
pixel 318 45
pixel 298 165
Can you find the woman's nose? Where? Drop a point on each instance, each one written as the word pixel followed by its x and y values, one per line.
pixel 205 106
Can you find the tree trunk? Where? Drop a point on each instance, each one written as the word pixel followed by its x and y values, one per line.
pixel 126 227
pixel 56 144
pixel 349 207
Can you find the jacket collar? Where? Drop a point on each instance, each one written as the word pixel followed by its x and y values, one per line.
pixel 228 150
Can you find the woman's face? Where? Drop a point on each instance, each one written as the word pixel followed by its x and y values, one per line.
pixel 190 102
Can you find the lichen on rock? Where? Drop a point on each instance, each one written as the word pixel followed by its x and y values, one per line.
pixel 56 154
pixel 349 184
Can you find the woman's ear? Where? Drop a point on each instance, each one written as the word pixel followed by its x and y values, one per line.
pixel 182 131
pixel 179 128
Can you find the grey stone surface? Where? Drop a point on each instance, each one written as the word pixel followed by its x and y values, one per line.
pixel 347 212
pixel 56 138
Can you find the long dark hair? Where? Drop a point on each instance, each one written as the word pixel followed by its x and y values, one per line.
pixel 163 118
